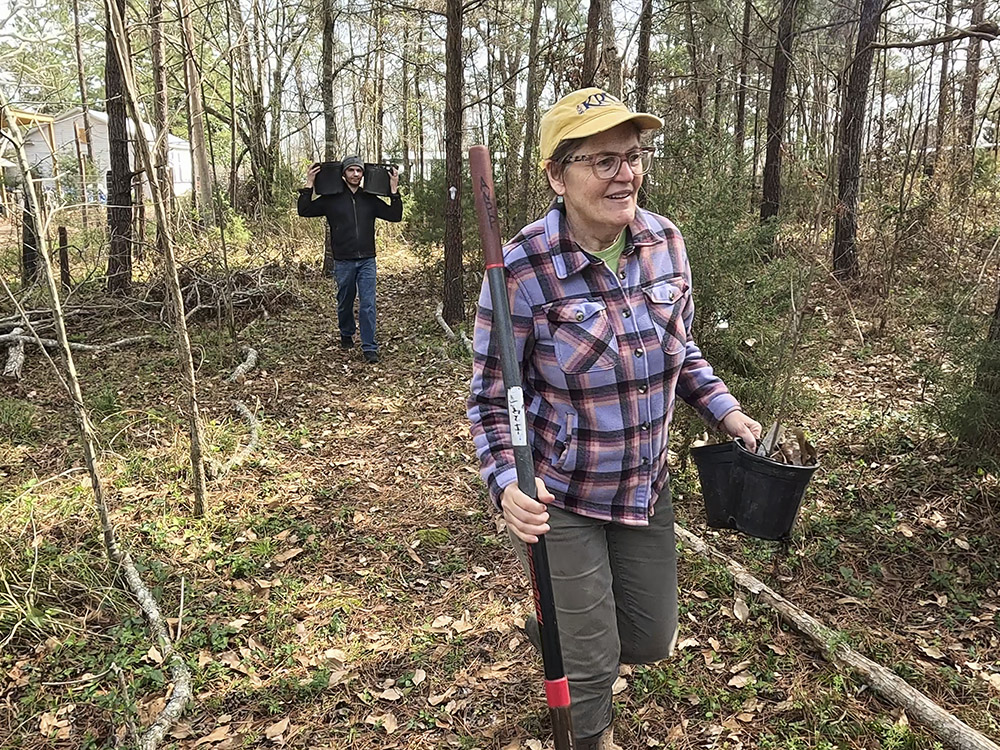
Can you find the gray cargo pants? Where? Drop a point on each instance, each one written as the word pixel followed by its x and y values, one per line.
pixel 615 589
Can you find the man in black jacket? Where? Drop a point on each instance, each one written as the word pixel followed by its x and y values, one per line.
pixel 351 215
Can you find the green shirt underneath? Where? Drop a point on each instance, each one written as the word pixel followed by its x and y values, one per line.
pixel 613 253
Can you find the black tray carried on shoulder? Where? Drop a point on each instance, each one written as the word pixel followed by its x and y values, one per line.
pixel 377 179
pixel 329 180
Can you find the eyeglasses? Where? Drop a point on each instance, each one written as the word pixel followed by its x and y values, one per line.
pixel 607 165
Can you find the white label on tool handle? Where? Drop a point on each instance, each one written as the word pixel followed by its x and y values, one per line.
pixel 515 408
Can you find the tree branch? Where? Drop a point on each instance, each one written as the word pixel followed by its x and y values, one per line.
pixel 987 30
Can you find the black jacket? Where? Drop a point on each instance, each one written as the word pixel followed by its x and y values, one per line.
pixel 352 219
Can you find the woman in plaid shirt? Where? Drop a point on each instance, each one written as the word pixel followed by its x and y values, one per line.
pixel 602 309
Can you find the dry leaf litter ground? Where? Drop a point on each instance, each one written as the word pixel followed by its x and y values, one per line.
pixel 350 587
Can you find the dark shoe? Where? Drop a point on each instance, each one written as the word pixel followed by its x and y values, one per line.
pixel 346 343
pixel 604 741
pixel 371 358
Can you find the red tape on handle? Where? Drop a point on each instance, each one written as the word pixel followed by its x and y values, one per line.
pixel 557 693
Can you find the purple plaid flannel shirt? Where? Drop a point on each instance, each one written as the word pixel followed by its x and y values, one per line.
pixel 602 354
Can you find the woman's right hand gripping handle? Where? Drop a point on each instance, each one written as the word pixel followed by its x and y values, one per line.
pixel 527 518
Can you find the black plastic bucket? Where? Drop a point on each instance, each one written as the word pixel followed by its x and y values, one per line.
pixel 769 493
pixel 715 470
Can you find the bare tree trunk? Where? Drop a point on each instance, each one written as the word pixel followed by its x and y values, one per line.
pixel 927 92
pixel 131 97
pixel 717 101
pixel 405 104
pixel 379 83
pixel 609 51
pixel 770 202
pixel 528 166
pixel 740 133
pixel 82 166
pixel 120 176
pixel 692 47
pixel 196 108
pixel 420 102
pixel 970 86
pixel 944 85
pixel 85 108
pixel 453 297
pixel 31 230
pixel 591 44
pixel 329 117
pixel 234 130
pixel 82 80
pixel 512 118
pixel 138 207
pixel 64 277
pixel 274 134
pixel 852 126
pixel 755 156
pixel 160 109
pixel 642 58
pixel 988 369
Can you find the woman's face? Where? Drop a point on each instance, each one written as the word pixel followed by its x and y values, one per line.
pixel 603 204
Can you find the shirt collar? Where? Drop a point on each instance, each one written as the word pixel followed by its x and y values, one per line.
pixel 568 258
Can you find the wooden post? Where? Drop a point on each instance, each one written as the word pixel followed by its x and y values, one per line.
pixel 64 259
pixel 29 244
pixel 138 211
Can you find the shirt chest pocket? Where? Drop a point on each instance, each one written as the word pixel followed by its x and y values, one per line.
pixel 666 301
pixel 582 335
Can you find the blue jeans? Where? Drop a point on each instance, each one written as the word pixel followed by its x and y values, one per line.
pixel 356 278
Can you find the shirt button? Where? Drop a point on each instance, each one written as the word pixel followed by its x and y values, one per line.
pixel 638 352
pixel 627 314
pixel 579 316
pixel 622 274
pixel 645 425
pixel 642 389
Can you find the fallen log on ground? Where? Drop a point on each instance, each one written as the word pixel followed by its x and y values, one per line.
pixel 245 366
pixel 217 469
pixel 14 337
pixel 943 725
pixel 15 358
pixel 450 334
pixel 43 318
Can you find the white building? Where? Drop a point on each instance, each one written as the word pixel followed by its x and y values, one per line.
pixel 68 126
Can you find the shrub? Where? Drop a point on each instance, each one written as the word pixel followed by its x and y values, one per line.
pixel 743 280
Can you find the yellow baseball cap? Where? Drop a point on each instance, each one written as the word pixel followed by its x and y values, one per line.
pixel 587 112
